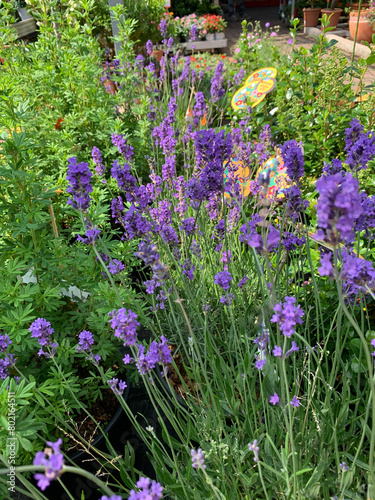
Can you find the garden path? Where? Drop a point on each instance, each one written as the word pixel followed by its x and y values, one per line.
pixel 271 15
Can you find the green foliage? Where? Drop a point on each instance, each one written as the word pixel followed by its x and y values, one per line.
pixel 184 8
pixel 147 15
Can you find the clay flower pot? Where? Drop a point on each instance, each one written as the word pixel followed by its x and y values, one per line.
pixel 365 30
pixel 333 15
pixel 158 54
pixel 311 17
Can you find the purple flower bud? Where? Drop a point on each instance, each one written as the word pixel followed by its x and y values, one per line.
pixel 197 458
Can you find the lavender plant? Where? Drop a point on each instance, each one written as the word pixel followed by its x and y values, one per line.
pixel 259 306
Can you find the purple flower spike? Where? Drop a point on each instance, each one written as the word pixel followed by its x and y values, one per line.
pixel 197 458
pixel 148 490
pixel 125 325
pixel 259 364
pixel 86 340
pixel 277 352
pixel 91 235
pixel 326 267
pixel 294 348
pixel 117 386
pixel 194 32
pixel 116 266
pixel 52 460
pixel 287 316
pixel 79 177
pixel 112 497
pixel 254 448
pixel 338 207
pixel 5 364
pixel 292 155
pixel 42 330
pixel 295 402
pixel 149 47
pixel 98 161
pixel 122 146
pixel 4 342
pixel 223 279
pixel 274 399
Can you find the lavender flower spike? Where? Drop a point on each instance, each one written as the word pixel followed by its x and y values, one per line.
pixel 52 460
pixel 292 155
pixel 42 330
pixel 197 458
pixel 149 490
pixel 125 325
pixel 255 448
pixel 287 315
pixel 79 177
pixel 121 386
pixel 98 161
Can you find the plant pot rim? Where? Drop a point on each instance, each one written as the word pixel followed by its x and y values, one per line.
pixel 354 13
pixel 311 8
pixel 336 9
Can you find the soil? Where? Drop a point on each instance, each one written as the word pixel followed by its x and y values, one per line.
pixel 102 410
pixel 174 377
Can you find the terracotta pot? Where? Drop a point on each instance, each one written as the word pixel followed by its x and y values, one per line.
pixel 158 54
pixel 365 30
pixel 333 15
pixel 310 17
pixel 354 6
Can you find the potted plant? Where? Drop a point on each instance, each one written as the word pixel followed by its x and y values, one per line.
pixel 311 15
pixel 214 25
pixel 333 14
pixel 366 23
pixel 221 25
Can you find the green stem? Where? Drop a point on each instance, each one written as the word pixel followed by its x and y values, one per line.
pixel 66 468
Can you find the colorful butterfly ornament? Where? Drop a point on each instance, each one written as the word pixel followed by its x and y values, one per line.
pixel 255 89
pixel 275 170
pixel 240 172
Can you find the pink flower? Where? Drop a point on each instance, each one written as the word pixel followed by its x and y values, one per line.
pixel 257 40
pixel 267 25
pixel 273 34
pixel 290 41
pixel 237 50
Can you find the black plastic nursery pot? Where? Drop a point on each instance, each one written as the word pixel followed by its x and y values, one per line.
pixel 118 433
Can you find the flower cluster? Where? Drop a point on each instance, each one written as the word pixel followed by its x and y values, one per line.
pixel 255 449
pixel 292 155
pixel 359 146
pixel 8 360
pixel 186 23
pixel 98 161
pixel 197 458
pixel 125 324
pixel 148 490
pixel 117 386
pixel 52 460
pixel 214 23
pixel 338 207
pixel 145 361
pixel 79 177
pixel 86 341
pixel 42 330
pixel 288 316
